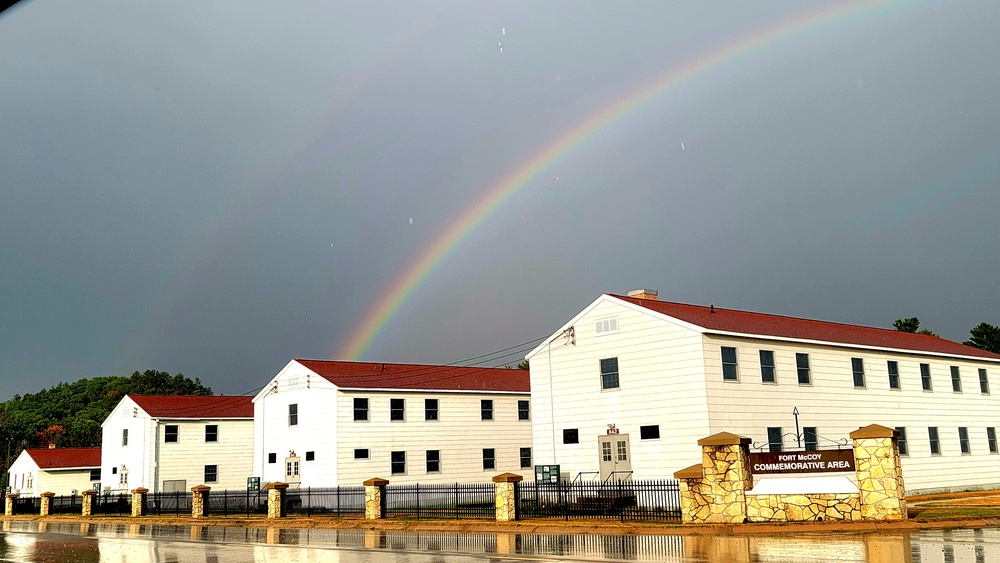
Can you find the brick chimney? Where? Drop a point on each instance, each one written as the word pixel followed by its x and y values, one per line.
pixel 650 294
pixel 52 446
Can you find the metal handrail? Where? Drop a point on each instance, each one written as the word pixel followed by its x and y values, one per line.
pixel 582 473
pixel 612 474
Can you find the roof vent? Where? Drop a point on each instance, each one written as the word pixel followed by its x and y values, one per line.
pixel 650 294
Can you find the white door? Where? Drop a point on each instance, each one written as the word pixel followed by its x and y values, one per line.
pixel 616 456
pixel 292 471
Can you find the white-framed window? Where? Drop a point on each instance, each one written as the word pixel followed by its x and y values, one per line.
pixel 767 372
pixel 893 368
pixel 984 382
pixel 774 438
pixel 293 414
pixel 802 368
pixel 904 448
pixel 609 373
pixel 956 379
pixel 606 326
pixel 963 440
pixel 124 437
pixel 858 368
pixel 211 473
pixel 397 409
pixel 925 377
pixel 729 368
pixel 489 459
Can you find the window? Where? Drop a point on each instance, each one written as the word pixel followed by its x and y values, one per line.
pixel 984 382
pixel 398 463
pixel 963 440
pixel 649 432
pixel 310 456
pixel 811 438
pixel 523 410
pixel 361 453
pixel 170 433
pixel 291 467
pixel 489 458
pixel 609 373
pixel 802 368
pixel 925 377
pixel 95 474
pixel 991 437
pixel 774 439
pixel 571 436
pixel 360 408
pixel 397 409
pixel 211 432
pixel 430 409
pixel 525 457
pixel 767 366
pixel 606 326
pixel 293 414
pixel 893 374
pixel 114 470
pixel 932 436
pixel 858 367
pixel 956 380
pixel 486 409
pixel 211 473
pixel 124 437
pixel 729 371
pixel 272 458
pixel 901 441
pixel 433 461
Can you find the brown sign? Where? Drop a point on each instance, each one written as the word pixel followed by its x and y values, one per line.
pixel 818 461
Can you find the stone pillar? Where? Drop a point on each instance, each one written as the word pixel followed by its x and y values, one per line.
pixel 88 502
pixel 46 508
pixel 880 474
pixel 199 501
pixel 507 543
pixel 506 507
pixel 375 498
pixel 719 496
pixel 139 502
pixel 9 504
pixel 276 500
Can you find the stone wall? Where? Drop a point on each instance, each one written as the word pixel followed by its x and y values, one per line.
pixel 880 475
pixel 718 494
pixel 803 508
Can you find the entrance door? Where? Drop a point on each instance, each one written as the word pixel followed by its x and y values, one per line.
pixel 292 471
pixel 616 456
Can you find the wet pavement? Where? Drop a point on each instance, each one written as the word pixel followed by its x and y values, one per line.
pixel 50 542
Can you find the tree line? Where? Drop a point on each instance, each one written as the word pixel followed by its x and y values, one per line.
pixel 983 336
pixel 70 414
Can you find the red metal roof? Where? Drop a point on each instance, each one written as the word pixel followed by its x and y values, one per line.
pixel 367 375
pixel 64 458
pixel 195 406
pixel 743 322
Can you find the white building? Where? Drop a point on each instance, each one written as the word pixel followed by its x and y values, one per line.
pixel 631 384
pixel 327 423
pixel 63 471
pixel 175 442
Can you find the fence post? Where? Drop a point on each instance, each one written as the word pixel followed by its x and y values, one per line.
pixel 506 505
pixel 139 502
pixel 9 504
pixel 276 500
pixel 46 507
pixel 87 508
pixel 199 501
pixel 375 498
pixel 880 475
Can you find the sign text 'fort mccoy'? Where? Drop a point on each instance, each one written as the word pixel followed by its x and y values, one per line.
pixel 818 461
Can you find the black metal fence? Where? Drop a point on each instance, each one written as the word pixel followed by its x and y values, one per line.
pixel 27 505
pixel 175 503
pixel 459 500
pixel 333 501
pixel 72 504
pixel 112 503
pixel 624 500
pixel 238 502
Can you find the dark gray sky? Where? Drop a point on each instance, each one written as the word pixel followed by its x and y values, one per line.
pixel 214 188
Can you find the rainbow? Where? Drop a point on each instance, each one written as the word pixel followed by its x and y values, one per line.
pixel 404 287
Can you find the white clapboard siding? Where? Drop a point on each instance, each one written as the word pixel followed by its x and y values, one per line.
pixel 186 459
pixel 459 435
pixel 136 456
pixel 661 383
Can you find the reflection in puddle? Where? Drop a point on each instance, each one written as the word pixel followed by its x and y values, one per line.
pixel 46 542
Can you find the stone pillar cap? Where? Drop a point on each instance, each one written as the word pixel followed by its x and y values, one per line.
pixel 200 488
pixel 693 472
pixel 874 431
pixel 89 492
pixel 376 482
pixel 141 490
pixel 13 495
pixel 723 439
pixel 277 485
pixel 508 478
pixel 47 494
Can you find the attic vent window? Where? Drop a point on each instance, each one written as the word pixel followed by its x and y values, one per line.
pixel 606 326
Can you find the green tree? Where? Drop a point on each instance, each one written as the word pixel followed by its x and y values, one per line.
pixel 910 324
pixel 985 337
pixel 523 364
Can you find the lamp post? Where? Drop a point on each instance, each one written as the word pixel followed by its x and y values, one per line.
pixel 798 435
